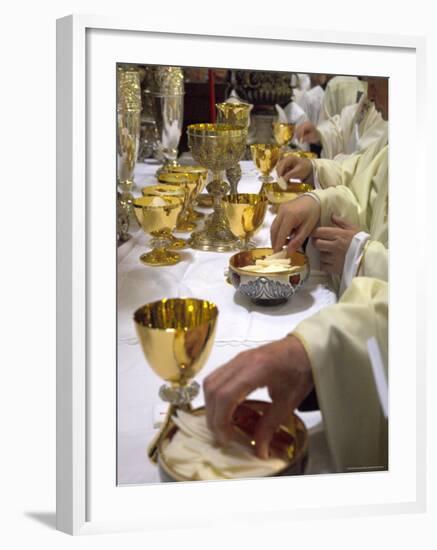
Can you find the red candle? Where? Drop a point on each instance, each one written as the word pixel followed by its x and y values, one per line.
pixel 211 81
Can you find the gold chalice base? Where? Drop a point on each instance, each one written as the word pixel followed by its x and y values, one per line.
pixel 160 257
pixel 211 241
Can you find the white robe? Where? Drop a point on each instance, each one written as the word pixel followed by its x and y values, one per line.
pixel 359 128
pixel 357 190
pixel 335 340
pixel 311 102
pixel 340 91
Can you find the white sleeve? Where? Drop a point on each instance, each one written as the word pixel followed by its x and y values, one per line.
pixel 353 258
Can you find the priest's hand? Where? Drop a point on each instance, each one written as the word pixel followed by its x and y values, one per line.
pixel 307 133
pixel 295 222
pixel 333 244
pixel 283 367
pixel 294 167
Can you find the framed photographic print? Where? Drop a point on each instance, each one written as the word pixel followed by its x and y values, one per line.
pixel 192 366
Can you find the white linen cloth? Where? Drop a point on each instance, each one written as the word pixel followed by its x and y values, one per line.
pixel 241 325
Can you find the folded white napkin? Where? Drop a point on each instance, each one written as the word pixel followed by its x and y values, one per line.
pixel 194 453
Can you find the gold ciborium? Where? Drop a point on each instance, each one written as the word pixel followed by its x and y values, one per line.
pixel 283 133
pixel 236 114
pixel 167 190
pixel 191 183
pixel 202 172
pixel 158 217
pixel 245 213
pixel 176 336
pixel 216 147
pixel 265 156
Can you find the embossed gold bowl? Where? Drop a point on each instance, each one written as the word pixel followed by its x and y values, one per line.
pixel 168 190
pixel 283 132
pixel 176 336
pixel 267 289
pixel 191 183
pixel 217 147
pixel 245 213
pixel 158 220
pixel 265 156
pixel 290 442
pixel 276 195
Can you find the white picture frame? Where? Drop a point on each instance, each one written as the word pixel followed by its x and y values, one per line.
pixel 76 317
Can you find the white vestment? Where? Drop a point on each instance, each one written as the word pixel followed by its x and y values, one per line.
pixel 340 91
pixel 357 190
pixel 358 128
pixel 311 102
pixel 335 340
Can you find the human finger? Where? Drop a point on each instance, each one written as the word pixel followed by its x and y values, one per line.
pixel 266 427
pixel 325 233
pixel 323 245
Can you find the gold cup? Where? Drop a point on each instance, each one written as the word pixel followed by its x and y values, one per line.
pixel 276 195
pixel 167 190
pixel 301 154
pixel 245 213
pixel 193 215
pixel 191 183
pixel 283 132
pixel 176 336
pixel 158 217
pixel 217 147
pixel 265 156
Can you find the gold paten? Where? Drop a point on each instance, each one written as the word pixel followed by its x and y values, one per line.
pixel 245 213
pixel 176 336
pixel 265 156
pixel 158 221
pixel 217 147
pixel 290 441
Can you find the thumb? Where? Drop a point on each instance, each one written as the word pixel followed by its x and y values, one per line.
pixel 342 223
pixel 266 427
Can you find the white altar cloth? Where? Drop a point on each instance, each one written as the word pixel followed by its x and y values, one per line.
pixel 241 325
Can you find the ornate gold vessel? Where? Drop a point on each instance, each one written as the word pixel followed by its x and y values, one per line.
pixel 176 336
pixel 158 217
pixel 283 132
pixel 245 213
pixel 216 147
pixel 128 124
pixel 164 93
pixel 235 114
pixel 265 156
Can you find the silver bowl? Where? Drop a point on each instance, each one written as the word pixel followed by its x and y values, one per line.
pixel 267 289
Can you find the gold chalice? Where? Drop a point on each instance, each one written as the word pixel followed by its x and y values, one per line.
pixel 158 216
pixel 245 213
pixel 283 133
pixel 190 183
pixel 301 154
pixel 167 190
pixel 193 215
pixel 176 336
pixel 217 147
pixel 236 114
pixel 265 156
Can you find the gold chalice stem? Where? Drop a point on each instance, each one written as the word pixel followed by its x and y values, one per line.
pixel 234 175
pixel 159 255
